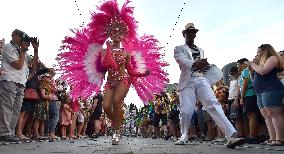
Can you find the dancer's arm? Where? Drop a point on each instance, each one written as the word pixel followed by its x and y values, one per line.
pixel 185 60
pixel 182 59
pixel 107 59
pixel 131 70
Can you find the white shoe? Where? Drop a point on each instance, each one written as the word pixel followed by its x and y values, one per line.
pixel 180 142
pixel 115 139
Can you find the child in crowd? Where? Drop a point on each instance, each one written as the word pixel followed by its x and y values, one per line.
pixel 80 118
pixel 86 112
pixel 65 116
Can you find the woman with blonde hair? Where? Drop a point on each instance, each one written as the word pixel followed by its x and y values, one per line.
pixel 270 91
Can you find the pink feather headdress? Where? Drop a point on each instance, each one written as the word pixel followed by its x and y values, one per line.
pixel 111 17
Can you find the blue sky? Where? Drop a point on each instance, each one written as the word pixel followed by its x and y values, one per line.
pixel 229 29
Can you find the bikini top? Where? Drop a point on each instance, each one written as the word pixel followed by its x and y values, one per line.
pixel 119 56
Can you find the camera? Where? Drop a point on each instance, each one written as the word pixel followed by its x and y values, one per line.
pixel 27 39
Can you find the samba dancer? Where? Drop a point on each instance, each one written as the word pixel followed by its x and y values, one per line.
pixel 128 60
pixel 118 81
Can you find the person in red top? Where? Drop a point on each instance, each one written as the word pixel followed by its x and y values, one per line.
pixel 75 109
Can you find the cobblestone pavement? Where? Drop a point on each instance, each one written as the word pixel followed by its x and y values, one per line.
pixel 130 145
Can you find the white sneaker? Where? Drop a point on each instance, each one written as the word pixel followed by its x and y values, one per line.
pixel 180 142
pixel 115 139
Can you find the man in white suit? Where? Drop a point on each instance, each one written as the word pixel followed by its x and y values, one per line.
pixel 193 85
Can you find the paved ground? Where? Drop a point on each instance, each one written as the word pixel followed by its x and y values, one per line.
pixel 130 145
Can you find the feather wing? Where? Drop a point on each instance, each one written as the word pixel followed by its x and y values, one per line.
pixel 145 55
pixel 80 63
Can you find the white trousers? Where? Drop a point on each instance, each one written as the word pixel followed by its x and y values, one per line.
pixel 199 88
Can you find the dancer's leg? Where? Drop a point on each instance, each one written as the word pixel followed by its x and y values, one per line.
pixel 206 96
pixel 108 103
pixel 208 99
pixel 187 105
pixel 119 95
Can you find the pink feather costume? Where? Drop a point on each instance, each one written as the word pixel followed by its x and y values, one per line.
pixel 84 67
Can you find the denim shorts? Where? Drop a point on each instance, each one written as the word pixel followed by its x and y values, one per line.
pixel 270 99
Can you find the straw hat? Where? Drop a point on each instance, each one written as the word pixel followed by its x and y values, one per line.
pixel 190 27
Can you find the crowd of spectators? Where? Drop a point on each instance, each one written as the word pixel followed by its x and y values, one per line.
pixel 35 105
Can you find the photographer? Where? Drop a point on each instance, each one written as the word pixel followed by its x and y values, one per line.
pixel 12 83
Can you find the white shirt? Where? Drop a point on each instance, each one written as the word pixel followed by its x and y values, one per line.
pixel 233 89
pixel 10 54
pixel 185 59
